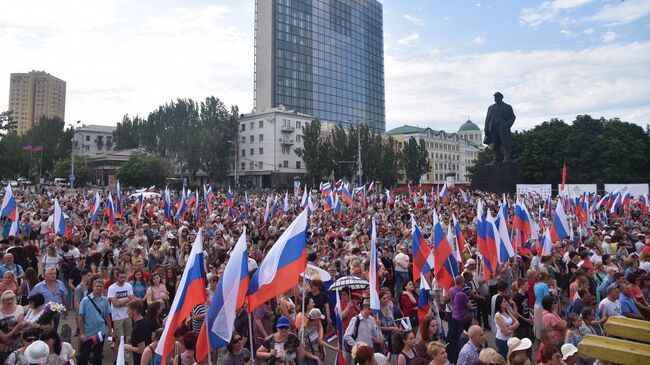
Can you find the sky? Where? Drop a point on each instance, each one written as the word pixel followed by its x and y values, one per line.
pixel 443 59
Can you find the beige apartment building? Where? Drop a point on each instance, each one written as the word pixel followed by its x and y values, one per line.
pixel 33 95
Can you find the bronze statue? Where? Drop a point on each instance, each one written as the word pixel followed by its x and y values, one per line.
pixel 498 121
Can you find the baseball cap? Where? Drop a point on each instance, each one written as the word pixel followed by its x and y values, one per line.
pixel 282 322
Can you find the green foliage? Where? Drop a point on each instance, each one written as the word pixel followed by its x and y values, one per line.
pixel 7 123
pixel 143 170
pixel 48 132
pixel 193 134
pixel 62 169
pixel 415 159
pixel 315 152
pixel 391 163
pixel 595 151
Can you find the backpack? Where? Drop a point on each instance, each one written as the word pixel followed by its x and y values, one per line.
pixel 347 346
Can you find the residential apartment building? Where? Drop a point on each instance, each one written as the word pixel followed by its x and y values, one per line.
pixel 450 154
pixel 34 95
pixel 266 148
pixel 94 140
pixel 321 58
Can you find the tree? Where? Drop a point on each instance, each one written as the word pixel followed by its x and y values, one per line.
pixel 143 170
pixel 62 169
pixel 7 124
pixel 127 133
pixel 595 151
pixel 391 163
pixel 219 128
pixel 415 159
pixel 315 153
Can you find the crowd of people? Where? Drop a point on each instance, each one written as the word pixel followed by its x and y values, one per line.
pixel 119 280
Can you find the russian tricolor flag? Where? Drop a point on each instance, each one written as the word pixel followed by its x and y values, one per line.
pixel 267 210
pixel 280 270
pixel 167 205
pixel 389 197
pixel 140 206
pixel 110 212
pixel 505 248
pixel 521 220
pixel 460 237
pixel 559 226
pixel 493 239
pixel 14 229
pixel 422 259
pixel 423 298
pixel 190 293
pixel 326 189
pixel 643 203
pixel 8 208
pixel 285 204
pixel 94 207
pixel 443 195
pixel 181 207
pixel 229 198
pixel 227 299
pixel 59 219
pixel 329 202
pixel 446 267
pixel 547 243
pixel 345 193
pixel 466 197
pixel 489 259
pixel 197 211
pixel 208 195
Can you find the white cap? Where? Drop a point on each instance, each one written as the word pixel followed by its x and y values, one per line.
pixel 470 262
pixel 568 350
pixel 316 314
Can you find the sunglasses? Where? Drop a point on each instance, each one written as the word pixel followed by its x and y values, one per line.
pixel 236 340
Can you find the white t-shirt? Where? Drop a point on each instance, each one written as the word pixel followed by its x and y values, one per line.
pixel 607 250
pixel 50 262
pixel 119 292
pixel 610 308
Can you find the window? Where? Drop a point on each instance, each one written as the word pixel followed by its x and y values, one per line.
pixel 243 153
pixel 243 165
pixel 260 138
pixel 285 163
pixel 243 127
pixel 261 151
pixel 243 140
pixel 252 139
pixel 87 138
pixel 298 124
pixel 298 138
pixel 261 124
pixel 252 151
pixel 298 162
pixel 252 125
pixel 252 165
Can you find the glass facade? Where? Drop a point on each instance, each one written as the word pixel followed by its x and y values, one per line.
pixel 328 59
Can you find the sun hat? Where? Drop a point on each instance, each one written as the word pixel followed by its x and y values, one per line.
pixel 316 314
pixel 37 352
pixel 516 344
pixel 470 262
pixel 568 350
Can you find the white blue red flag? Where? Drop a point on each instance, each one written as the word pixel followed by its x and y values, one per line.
pixel 227 299
pixel 190 293
pixel 389 198
pixel 14 229
pixel 547 242
pixel 110 212
pixel 281 268
pixel 267 212
pixel 446 267
pixel 505 248
pixel 340 360
pixel 59 219
pixel 8 208
pixel 208 195
pixel 443 195
pixel 118 200
pixel 181 207
pixel 303 200
pixel 423 298
pixel 423 261
pixel 229 198
pixel 465 195
pixel 94 207
pixel 559 225
pixel 460 237
pixel 285 204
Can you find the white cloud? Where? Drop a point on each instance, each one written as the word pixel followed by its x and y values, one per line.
pixel 548 11
pixel 623 12
pixel 567 33
pixel 588 31
pixel 415 20
pixel 120 57
pixel 409 39
pixel 610 36
pixel 479 40
pixel 441 90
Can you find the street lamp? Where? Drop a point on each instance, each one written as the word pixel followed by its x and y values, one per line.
pixel 71 177
pixel 234 144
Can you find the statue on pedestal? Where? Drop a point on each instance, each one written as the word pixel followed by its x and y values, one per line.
pixel 498 121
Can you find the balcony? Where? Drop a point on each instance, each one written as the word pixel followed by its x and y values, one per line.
pixel 287 128
pixel 286 141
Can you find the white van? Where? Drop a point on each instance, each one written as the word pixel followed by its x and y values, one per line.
pixel 60 181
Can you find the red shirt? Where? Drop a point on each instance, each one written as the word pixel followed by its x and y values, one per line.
pixel 408 307
pixel 531 291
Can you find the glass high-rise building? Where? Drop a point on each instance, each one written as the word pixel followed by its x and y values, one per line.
pixel 324 58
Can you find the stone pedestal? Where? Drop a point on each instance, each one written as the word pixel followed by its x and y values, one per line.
pixel 501 177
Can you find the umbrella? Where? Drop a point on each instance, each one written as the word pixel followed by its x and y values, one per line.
pixel 314 272
pixel 350 282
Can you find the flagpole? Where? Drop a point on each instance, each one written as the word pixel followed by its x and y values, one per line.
pixel 207 336
pixel 250 328
pixel 304 315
